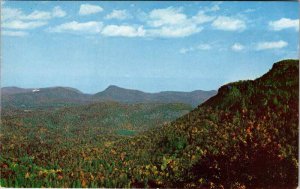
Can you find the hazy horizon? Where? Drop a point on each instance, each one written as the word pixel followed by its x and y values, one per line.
pixel 147 46
pixel 105 89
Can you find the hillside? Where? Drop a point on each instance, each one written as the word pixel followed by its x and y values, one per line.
pixel 37 140
pixel 244 137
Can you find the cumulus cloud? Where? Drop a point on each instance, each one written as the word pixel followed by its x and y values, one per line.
pixel 18 24
pixel 118 14
pixel 229 24
pixel 38 15
pixel 284 23
pixel 201 18
pixel 173 31
pixel 58 12
pixel 271 45
pixel 14 33
pixel 168 16
pixel 215 7
pixel 123 31
pixel 172 22
pixel 83 27
pixel 237 47
pixel 10 13
pixel 17 14
pixel 87 9
pixel 15 19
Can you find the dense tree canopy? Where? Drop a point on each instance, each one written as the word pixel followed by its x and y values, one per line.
pixel 244 137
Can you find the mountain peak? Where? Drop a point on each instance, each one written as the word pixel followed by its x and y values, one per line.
pixel 110 87
pixel 282 75
pixel 61 88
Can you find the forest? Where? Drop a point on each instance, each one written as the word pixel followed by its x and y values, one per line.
pixel 246 136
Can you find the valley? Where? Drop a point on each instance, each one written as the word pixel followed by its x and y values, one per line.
pixel 245 135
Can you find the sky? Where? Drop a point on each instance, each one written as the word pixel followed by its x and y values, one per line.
pixel 149 46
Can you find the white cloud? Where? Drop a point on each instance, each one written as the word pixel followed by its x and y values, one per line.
pixel 58 12
pixel 229 24
pixel 237 47
pixel 38 15
pixel 84 27
pixel 173 31
pixel 284 23
pixel 201 18
pixel 214 8
pixel 10 13
pixel 18 24
pixel 168 16
pixel 271 45
pixel 123 31
pixel 14 33
pixel 87 9
pixel 171 22
pixel 15 19
pixel 118 14
pixel 45 15
pixel 17 14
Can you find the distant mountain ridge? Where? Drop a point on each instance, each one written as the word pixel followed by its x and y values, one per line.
pixel 61 96
pixel 115 93
pixel 13 90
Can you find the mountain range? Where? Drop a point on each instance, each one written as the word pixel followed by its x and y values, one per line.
pixel 61 96
pixel 246 136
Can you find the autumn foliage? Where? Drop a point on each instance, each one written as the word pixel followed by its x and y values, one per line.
pixel 244 137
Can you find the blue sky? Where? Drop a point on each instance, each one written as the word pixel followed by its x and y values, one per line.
pixel 150 46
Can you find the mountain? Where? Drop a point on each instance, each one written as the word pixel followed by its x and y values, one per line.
pixel 246 136
pixel 119 94
pixel 14 90
pixel 42 97
pixel 193 98
pixel 280 82
pixel 65 96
